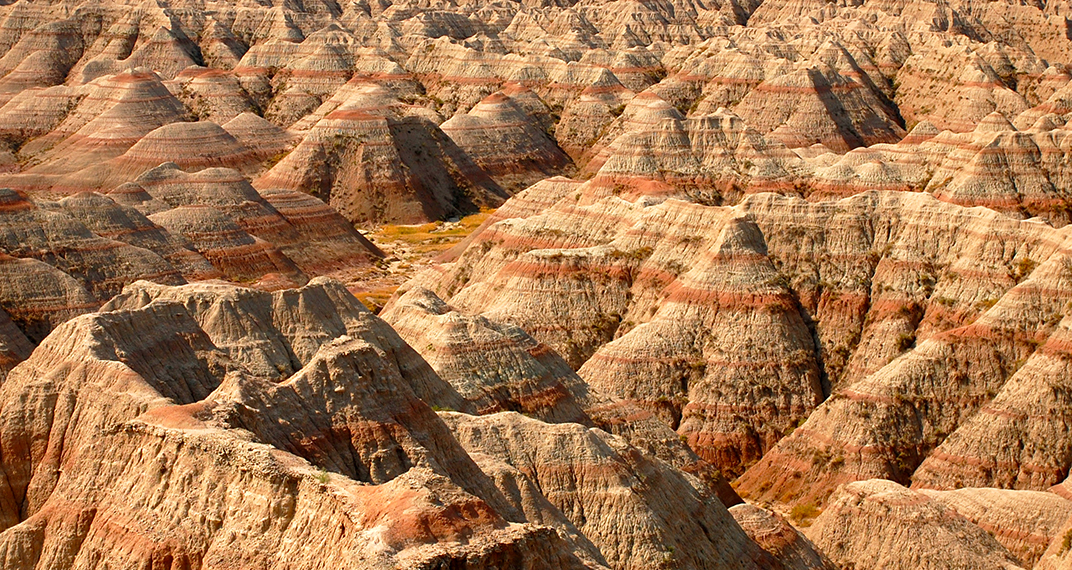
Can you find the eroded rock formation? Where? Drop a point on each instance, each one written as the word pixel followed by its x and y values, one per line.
pixel 820 248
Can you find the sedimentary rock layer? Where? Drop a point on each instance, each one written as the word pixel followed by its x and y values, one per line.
pixel 220 387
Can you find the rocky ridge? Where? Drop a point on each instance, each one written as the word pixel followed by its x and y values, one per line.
pixel 205 382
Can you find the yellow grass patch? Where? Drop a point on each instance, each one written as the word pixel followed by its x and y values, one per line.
pixel 431 237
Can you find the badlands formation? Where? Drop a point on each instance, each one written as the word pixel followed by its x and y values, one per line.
pixel 760 284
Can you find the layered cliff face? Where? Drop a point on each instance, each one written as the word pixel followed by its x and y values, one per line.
pixel 777 536
pixel 742 320
pixel 916 532
pixel 1024 522
pixel 669 328
pixel 636 510
pixel 67 257
pixel 394 113
pixel 206 395
pixel 201 416
pixel 497 366
pixel 507 139
pixel 903 411
pixel 373 162
pixel 929 338
pixel 966 528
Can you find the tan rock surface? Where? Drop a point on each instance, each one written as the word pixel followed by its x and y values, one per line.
pixel 373 166
pixel 206 395
pixel 1016 439
pixel 779 538
pixel 1025 522
pixel 506 141
pixel 157 438
pixel 799 73
pixel 497 366
pixel 880 524
pixel 636 511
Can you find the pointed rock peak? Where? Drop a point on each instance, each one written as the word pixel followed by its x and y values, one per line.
pixel 775 535
pixel 648 106
pixel 139 74
pixel 994 123
pixel 724 114
pixel 832 51
pixel 922 132
pixel 496 98
pixel 249 120
pixel 279 26
pixel 739 235
pixel 924 129
pixel 1047 122
pixel 129 194
pixel 217 31
pixel 606 78
pixel 808 78
pixel 425 299
pixel 514 90
pixel 13 200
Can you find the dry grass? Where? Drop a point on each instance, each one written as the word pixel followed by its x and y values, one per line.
pixel 432 237
pixel 409 249
pixel 803 515
pixel 375 300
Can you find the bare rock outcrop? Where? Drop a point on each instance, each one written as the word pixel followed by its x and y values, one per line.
pixel 496 366
pixel 1024 522
pixel 374 166
pixel 631 507
pixel 89 246
pixel 184 421
pixel 76 96
pixel 221 387
pixel 507 142
pixel 901 412
pixel 819 246
pixel 39 297
pixel 785 543
pixel 818 105
pixel 620 297
pixel 312 235
pixel 880 524
pixel 1015 441
pixel 628 302
pixel 238 255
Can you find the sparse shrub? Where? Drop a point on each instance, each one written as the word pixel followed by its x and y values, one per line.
pixel 805 513
pixel 1023 268
pixel 639 254
pixel 906 341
